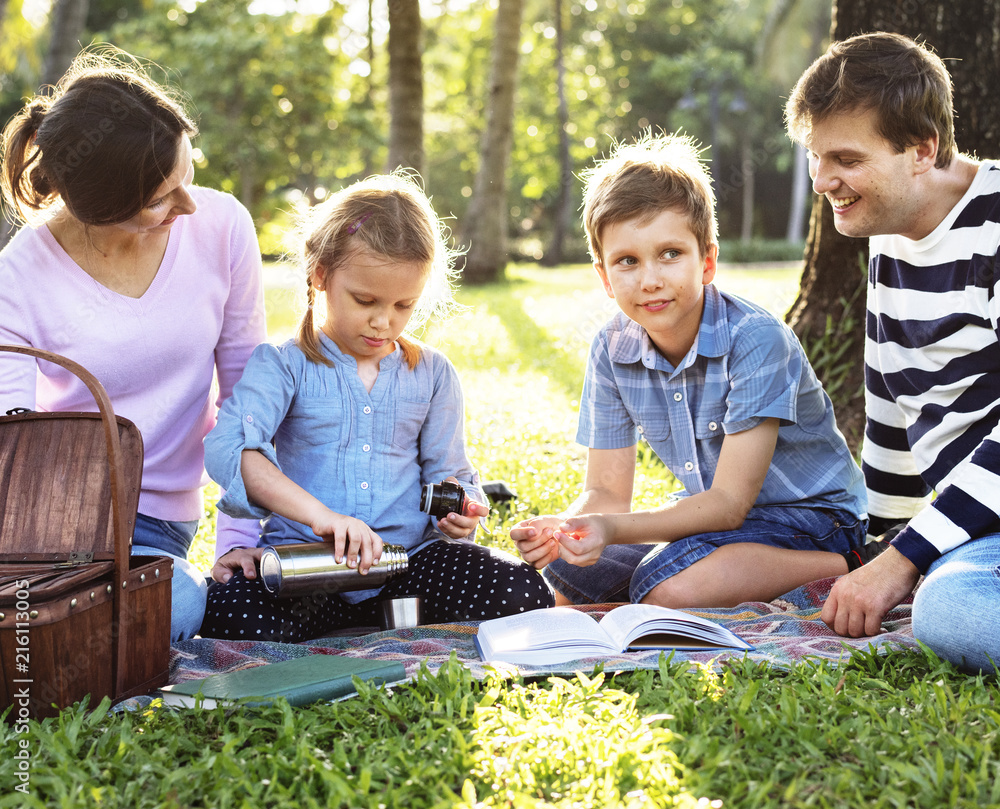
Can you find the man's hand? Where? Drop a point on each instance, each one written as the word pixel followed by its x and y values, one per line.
pixel 860 600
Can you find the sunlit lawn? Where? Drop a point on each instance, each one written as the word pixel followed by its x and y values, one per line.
pixel 894 731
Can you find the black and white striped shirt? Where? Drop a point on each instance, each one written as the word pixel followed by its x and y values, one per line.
pixel 932 377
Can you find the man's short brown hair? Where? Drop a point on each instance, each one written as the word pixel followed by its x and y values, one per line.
pixel 902 81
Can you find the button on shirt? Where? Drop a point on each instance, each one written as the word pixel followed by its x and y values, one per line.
pixel 366 455
pixel 746 366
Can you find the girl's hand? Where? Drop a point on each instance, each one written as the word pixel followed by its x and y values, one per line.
pixel 535 540
pixel 244 559
pixel 352 539
pixel 582 539
pixel 459 526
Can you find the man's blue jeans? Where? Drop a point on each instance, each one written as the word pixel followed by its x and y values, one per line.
pixel 956 610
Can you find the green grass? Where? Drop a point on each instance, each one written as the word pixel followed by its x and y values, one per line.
pixel 900 730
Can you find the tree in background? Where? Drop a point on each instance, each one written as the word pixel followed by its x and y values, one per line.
pixel 68 20
pixel 562 216
pixel 368 99
pixel 19 69
pixel 486 219
pixel 406 87
pixel 829 313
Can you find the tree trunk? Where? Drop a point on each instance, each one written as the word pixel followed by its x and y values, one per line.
pixel 829 313
pixel 563 214
pixel 368 102
pixel 485 226
pixel 7 231
pixel 749 172
pixel 819 29
pixel 67 20
pixel 800 190
pixel 406 87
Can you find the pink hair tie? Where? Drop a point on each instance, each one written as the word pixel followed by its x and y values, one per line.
pixel 355 226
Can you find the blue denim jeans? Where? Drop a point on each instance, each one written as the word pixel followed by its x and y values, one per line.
pixel 155 537
pixel 630 572
pixel 956 610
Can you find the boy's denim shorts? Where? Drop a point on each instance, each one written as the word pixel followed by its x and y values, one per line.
pixel 629 572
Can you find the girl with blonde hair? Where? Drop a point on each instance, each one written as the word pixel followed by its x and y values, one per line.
pixel 332 436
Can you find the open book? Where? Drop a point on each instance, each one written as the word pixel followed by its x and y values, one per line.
pixel 561 634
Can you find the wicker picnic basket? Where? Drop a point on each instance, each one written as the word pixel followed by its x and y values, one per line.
pixel 78 614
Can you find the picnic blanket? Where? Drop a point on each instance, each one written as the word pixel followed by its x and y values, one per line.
pixel 783 632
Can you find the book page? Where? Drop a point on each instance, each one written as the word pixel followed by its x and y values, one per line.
pixel 542 631
pixel 628 624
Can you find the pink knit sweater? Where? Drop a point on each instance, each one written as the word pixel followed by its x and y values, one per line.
pixel 155 355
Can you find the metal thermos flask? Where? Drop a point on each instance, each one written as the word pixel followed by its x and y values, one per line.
pixel 309 567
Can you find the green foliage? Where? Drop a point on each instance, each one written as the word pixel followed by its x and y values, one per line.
pixel 295 104
pixel 901 729
pixel 20 59
pixel 760 250
pixel 270 94
pixel 570 743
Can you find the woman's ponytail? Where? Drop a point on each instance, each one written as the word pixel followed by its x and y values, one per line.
pixel 25 186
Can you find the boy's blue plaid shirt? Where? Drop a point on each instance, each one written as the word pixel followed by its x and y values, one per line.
pixel 745 366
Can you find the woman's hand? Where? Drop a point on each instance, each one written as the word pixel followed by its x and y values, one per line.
pixel 459 526
pixel 237 559
pixel 353 541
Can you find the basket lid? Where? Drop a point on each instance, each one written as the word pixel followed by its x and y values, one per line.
pixel 55 487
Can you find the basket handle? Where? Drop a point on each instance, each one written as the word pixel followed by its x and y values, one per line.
pixel 111 437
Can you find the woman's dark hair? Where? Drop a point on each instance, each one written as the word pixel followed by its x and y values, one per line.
pixel 103 141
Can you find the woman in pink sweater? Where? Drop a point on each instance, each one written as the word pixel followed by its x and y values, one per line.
pixel 149 282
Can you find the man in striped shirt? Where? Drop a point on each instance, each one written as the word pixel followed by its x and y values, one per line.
pixel 875 113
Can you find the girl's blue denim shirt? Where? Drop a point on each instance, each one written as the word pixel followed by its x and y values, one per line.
pixel 366 455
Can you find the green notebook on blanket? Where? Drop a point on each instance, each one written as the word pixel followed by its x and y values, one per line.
pixel 561 634
pixel 301 681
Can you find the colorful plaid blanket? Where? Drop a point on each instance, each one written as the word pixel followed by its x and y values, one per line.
pixel 782 632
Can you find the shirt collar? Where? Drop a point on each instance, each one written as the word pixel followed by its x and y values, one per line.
pixel 333 351
pixel 630 342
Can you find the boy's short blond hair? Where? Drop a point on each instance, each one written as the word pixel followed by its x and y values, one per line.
pixel 644 178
